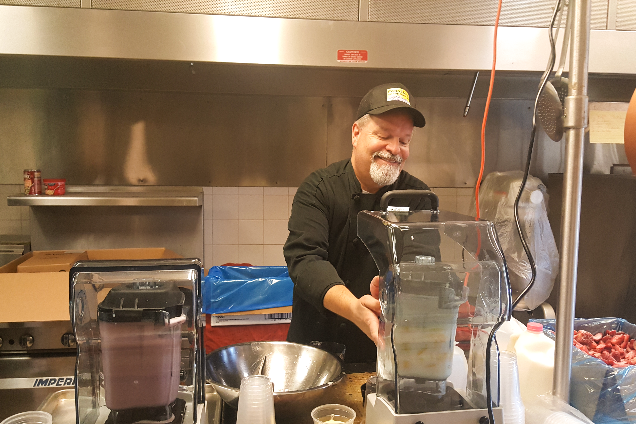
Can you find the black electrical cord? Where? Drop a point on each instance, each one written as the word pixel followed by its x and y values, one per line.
pixel 491 336
pixel 544 80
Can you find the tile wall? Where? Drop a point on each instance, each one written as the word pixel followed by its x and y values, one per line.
pixel 249 224
pixel 241 224
pixel 14 220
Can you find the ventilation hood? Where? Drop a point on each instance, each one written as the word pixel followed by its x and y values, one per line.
pixel 93 33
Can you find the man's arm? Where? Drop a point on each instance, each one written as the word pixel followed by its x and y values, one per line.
pixel 362 312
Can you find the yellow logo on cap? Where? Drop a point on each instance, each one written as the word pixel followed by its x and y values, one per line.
pixel 398 94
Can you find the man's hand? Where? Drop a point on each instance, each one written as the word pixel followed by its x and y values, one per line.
pixel 362 312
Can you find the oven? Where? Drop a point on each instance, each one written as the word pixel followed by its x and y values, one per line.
pixel 36 360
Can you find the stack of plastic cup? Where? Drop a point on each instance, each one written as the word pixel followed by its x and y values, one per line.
pixel 256 401
pixel 509 395
pixel 562 418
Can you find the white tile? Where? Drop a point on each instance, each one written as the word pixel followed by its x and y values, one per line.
pixel 208 231
pixel 275 207
pixel 26 227
pixel 208 207
pixel 208 257
pixel 465 204
pixel 444 191
pixel 11 227
pixel 10 212
pixel 225 231
pixel 466 191
pixel 447 203
pixel 25 213
pixel 224 190
pixel 251 206
pixel 292 193
pixel 225 206
pixel 208 191
pixel 250 231
pixel 251 254
pixel 275 191
pixel 251 190
pixel 223 254
pixel 275 231
pixel 273 255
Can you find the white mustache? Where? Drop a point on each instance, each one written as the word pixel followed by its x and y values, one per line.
pixel 387 156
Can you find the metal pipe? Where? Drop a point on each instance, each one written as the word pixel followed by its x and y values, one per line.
pixel 576 106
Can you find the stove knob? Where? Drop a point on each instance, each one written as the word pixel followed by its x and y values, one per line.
pixel 68 340
pixel 26 341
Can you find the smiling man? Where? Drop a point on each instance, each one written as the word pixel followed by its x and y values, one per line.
pixel 331 268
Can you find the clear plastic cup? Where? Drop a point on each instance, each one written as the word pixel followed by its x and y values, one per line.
pixel 514 413
pixel 29 417
pixel 256 401
pixel 509 393
pixel 333 414
pixel 509 372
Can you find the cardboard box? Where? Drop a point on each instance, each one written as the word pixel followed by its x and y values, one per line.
pixel 51 261
pixel 44 296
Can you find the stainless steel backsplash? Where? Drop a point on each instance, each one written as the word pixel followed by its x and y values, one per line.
pixel 116 122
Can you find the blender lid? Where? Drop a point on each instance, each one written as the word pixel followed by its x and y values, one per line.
pixel 157 301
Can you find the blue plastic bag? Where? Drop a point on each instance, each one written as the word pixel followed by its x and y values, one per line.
pixel 241 288
pixel 605 394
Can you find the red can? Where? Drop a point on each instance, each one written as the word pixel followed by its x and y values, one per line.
pixel 32 181
pixel 54 187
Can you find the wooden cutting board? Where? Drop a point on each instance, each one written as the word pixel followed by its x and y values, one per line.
pixel 630 133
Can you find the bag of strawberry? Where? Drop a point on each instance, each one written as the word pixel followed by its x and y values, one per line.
pixel 615 348
pixel 603 377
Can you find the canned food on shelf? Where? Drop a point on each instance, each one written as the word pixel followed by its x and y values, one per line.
pixel 54 187
pixel 32 181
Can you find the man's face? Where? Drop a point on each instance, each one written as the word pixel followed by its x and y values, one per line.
pixel 380 148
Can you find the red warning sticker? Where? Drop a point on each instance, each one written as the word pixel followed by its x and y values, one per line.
pixel 359 56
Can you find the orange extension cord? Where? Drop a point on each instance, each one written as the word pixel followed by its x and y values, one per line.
pixel 483 125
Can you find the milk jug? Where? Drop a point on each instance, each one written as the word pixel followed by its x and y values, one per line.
pixel 535 359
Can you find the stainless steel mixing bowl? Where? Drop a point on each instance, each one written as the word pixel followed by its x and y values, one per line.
pixel 300 373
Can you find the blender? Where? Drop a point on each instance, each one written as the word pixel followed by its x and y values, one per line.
pixel 139 344
pixel 443 284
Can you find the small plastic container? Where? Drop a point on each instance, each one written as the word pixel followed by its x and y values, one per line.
pixel 535 359
pixel 29 417
pixel 333 414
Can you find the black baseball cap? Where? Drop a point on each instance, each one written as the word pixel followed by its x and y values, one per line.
pixel 386 97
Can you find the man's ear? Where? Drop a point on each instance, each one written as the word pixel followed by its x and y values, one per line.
pixel 355 134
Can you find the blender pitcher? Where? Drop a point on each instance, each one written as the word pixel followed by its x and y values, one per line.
pixel 443 283
pixel 140 325
pixel 140 352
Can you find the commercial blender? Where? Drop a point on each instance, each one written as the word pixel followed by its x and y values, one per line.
pixel 139 341
pixel 443 283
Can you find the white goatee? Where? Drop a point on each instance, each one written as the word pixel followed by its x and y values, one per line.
pixel 382 173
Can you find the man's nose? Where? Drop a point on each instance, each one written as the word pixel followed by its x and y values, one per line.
pixel 393 146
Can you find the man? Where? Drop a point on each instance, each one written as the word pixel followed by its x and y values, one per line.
pixel 330 267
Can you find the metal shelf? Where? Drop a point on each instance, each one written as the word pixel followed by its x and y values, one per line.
pixel 115 196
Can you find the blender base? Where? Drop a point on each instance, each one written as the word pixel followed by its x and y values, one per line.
pixel 170 414
pixel 378 411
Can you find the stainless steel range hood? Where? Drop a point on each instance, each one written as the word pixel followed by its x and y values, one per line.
pixel 93 33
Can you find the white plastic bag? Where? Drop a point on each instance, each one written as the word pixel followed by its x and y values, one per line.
pixel 497 195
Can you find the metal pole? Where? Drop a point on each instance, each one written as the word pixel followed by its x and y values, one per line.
pixel 576 107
